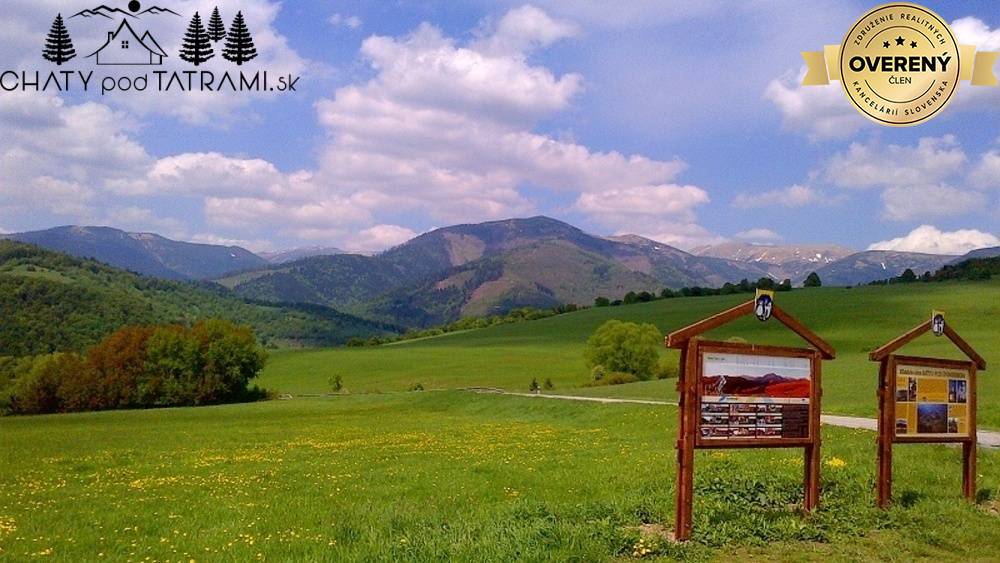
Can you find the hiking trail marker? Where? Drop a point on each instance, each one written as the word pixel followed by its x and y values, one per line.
pixel 926 400
pixel 737 395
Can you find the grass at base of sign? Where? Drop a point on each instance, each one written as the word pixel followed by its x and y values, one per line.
pixel 453 475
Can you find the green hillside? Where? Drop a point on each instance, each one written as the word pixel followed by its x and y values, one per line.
pixel 53 302
pixel 853 320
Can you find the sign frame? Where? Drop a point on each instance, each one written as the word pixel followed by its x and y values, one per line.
pixel 888 363
pixel 692 347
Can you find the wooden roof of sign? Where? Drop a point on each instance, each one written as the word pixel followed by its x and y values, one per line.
pixel 884 351
pixel 679 338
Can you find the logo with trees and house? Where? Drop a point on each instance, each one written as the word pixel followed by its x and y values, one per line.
pixel 127 46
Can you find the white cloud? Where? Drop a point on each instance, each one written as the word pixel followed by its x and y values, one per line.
pixel 643 201
pixel 634 14
pixel 823 112
pixel 792 196
pixel 758 235
pixel 987 172
pixel 251 245
pixel 524 29
pixel 873 165
pixel 57 156
pixel 445 130
pixel 442 132
pixel 341 20
pixel 379 237
pixel 904 203
pixel 134 218
pixel 932 240
pixel 916 181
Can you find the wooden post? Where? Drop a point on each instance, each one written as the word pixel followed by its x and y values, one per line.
pixel 812 451
pixel 683 524
pixel 969 448
pixel 886 429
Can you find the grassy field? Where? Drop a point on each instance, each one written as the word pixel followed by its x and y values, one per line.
pixel 449 474
pixel 453 475
pixel 853 320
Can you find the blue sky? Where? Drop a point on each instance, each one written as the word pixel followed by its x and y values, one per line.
pixel 683 122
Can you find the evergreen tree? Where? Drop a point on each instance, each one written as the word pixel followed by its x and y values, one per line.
pixel 197 46
pixel 58 45
pixel 813 280
pixel 239 43
pixel 216 29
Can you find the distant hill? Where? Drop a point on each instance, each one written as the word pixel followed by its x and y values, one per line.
pixel 541 275
pixel 144 253
pixel 54 302
pixel 794 262
pixel 486 268
pixel 283 256
pixel 874 265
pixel 979 253
pixel 973 269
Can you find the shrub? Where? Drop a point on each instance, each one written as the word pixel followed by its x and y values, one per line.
pixel 417 387
pixel 534 385
pixel 548 384
pixel 597 373
pixel 667 369
pixel 614 378
pixel 625 347
pixel 337 383
pixel 213 362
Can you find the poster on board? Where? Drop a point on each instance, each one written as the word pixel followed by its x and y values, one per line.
pixel 932 401
pixel 755 397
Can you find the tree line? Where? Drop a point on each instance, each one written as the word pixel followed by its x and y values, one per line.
pixel 209 363
pixel 744 286
pixel 468 323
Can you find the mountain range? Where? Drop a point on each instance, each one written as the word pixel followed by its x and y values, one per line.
pixel 486 268
pixel 144 253
pixel 475 269
pixel 793 262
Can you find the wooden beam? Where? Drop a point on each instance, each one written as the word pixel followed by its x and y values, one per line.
pixel 826 351
pixel 883 351
pixel 679 338
pixel 964 346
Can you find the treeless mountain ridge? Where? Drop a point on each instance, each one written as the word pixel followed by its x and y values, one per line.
pixel 791 261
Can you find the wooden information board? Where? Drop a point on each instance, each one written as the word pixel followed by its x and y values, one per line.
pixel 736 395
pixel 926 400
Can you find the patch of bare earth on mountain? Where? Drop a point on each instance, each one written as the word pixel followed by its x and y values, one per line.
pixel 463 249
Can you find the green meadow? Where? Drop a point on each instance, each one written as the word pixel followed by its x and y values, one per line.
pixel 380 473
pixel 454 475
pixel 853 320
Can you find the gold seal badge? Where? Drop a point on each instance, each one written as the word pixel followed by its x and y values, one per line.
pixel 900 64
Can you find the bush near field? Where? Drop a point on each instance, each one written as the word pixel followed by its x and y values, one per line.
pixel 138 367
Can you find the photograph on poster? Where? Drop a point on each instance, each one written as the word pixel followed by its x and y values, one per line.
pixel 761 396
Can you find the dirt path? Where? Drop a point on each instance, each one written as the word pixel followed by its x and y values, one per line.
pixel 986 438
